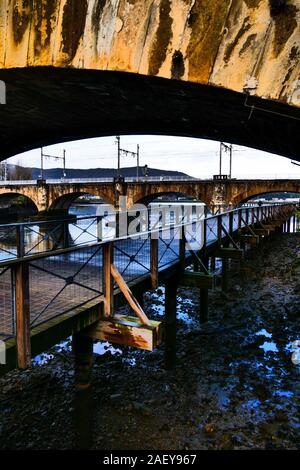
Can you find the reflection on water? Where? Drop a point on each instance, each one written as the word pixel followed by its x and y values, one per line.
pixel 269 346
pixel 40 238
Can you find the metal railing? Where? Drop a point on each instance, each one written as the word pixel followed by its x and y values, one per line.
pixel 154 179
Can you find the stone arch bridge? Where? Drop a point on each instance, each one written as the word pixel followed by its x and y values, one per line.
pixel 226 70
pixel 60 195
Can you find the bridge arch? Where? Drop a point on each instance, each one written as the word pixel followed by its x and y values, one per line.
pixel 242 191
pixel 78 69
pixel 64 201
pixel 141 105
pixel 31 196
pixel 268 193
pixel 170 196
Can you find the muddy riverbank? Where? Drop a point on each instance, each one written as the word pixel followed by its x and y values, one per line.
pixel 234 387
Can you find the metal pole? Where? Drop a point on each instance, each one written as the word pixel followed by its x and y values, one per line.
pixel 42 164
pixel 221 158
pixel 138 161
pixel 119 156
pixel 64 163
pixel 230 169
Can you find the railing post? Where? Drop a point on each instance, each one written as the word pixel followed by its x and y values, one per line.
pixel 219 219
pixel 22 314
pixel 240 219
pixel 20 241
pixel 231 224
pixel 252 216
pixel 154 262
pixel 108 286
pixel 182 248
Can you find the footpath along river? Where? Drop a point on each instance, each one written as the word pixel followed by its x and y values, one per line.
pixel 235 385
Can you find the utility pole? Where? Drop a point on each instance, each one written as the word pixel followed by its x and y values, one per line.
pixel 126 153
pixel 42 164
pixel 138 161
pixel 230 165
pixel 64 164
pixel 119 156
pixel 227 148
pixel 55 157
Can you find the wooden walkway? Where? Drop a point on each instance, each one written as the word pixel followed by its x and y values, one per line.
pixel 66 288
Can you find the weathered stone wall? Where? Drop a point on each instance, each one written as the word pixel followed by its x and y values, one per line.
pixel 237 44
pixel 60 196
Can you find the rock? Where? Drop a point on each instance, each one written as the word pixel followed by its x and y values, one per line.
pixel 142 408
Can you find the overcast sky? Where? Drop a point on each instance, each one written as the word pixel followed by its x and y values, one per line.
pixel 196 157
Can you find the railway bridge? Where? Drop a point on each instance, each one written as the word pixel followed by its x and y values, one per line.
pixel 59 195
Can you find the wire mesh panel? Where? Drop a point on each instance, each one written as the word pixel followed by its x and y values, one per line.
pixel 168 246
pixel 43 237
pixel 83 231
pixel 243 217
pixel 8 242
pixel 132 257
pixel 225 222
pixel 60 284
pixel 235 220
pixel 7 326
pixel 211 230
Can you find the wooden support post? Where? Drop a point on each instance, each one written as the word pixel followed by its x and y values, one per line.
pixel 251 239
pixel 154 263
pixel 212 263
pixel 82 347
pixel 203 305
pixel 127 331
pixel 199 279
pixel 229 253
pixel 108 287
pixel 240 219
pixel 22 314
pixel 20 241
pixel 224 274
pixel 170 322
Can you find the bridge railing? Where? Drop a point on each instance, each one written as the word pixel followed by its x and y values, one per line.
pixel 154 179
pixel 38 287
pixel 129 179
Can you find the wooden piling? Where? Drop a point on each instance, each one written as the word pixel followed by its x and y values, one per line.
pixel 224 274
pixel 82 347
pixel 203 305
pixel 170 322
pixel 108 288
pixel 22 314
pixel 154 263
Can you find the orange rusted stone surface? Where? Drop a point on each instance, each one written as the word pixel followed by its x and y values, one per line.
pixel 240 45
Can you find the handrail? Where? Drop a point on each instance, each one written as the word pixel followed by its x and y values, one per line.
pixel 54 252
pixel 146 179
pixel 90 217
